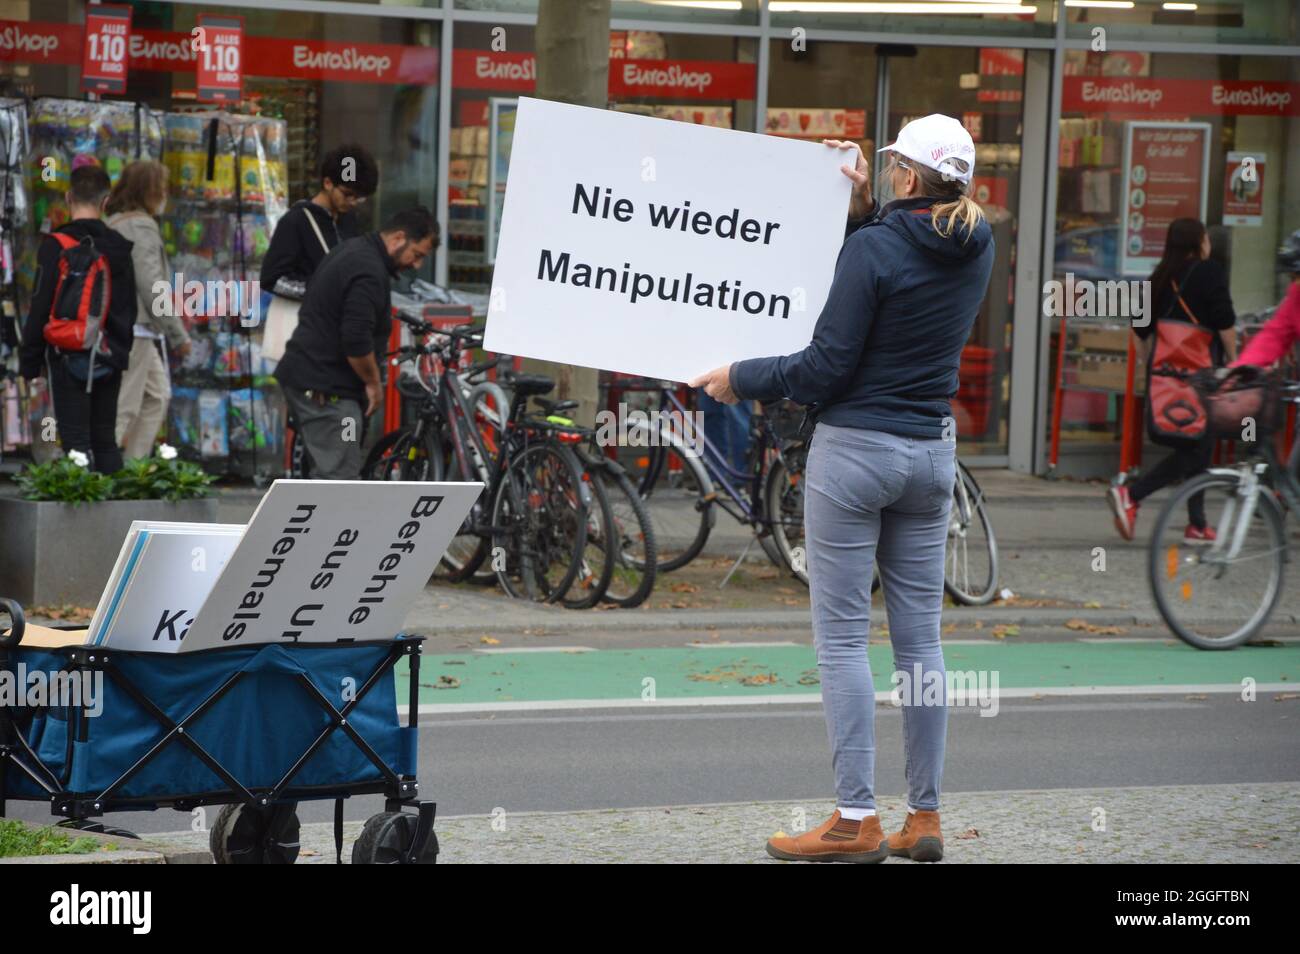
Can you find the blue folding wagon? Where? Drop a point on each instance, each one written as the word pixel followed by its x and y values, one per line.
pixel 256 729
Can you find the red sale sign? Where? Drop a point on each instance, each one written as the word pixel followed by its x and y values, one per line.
pixel 218 44
pixel 104 49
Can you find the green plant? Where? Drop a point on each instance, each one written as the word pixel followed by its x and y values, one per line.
pixel 156 478
pixel 68 480
pixel 63 480
pixel 17 841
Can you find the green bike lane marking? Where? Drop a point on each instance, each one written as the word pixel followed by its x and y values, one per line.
pixel 762 673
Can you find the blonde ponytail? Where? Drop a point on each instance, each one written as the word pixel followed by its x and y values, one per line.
pixel 962 209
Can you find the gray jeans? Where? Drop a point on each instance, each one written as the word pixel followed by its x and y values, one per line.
pixel 879 499
pixel 332 432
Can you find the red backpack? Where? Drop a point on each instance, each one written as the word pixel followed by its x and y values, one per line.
pixel 1175 414
pixel 81 296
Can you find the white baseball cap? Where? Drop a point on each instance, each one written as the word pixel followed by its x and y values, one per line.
pixel 935 141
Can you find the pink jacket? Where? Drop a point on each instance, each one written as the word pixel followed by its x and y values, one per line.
pixel 1279 333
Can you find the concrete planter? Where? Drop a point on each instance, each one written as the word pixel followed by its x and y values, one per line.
pixel 56 553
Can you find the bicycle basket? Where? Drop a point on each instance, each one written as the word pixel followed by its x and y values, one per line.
pixel 1244 395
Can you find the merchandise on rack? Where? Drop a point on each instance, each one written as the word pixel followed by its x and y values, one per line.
pixel 227 192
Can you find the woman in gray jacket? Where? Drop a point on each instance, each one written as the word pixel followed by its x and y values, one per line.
pixel 141 194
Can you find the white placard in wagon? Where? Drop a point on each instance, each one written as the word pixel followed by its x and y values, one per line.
pixel 660 248
pixel 331 561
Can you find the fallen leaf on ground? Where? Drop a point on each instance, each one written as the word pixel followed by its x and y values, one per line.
pixel 1003 630
pixel 489 640
pixel 969 833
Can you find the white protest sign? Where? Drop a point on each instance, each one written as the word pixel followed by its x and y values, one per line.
pixel 661 248
pixel 331 561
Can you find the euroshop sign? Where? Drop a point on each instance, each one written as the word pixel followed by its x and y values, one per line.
pixel 651 79
pixel 1140 96
pixel 285 58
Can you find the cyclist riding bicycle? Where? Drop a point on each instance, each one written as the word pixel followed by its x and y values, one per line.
pixel 1282 331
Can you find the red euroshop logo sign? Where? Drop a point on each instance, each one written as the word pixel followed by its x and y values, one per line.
pixel 1179 97
pixel 104 49
pixel 652 79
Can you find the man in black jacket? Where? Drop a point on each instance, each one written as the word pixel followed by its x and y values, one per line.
pixel 312 227
pixel 330 368
pixel 86 420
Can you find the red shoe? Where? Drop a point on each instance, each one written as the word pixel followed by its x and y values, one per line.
pixel 1199 536
pixel 1124 508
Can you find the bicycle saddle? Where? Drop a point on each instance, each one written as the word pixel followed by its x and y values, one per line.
pixel 555 407
pixel 530 383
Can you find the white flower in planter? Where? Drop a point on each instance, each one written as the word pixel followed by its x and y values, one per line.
pixel 166 452
pixel 78 458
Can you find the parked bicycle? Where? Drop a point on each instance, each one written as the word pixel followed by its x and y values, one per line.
pixel 532 519
pixel 1220 594
pixel 685 476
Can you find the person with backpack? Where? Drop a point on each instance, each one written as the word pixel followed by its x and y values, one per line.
pixel 78 332
pixel 1192 328
pixel 140 194
pixel 306 233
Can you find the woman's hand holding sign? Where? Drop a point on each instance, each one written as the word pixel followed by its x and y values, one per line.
pixel 861 201
pixel 717 385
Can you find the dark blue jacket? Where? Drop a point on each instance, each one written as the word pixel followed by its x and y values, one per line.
pixel 886 348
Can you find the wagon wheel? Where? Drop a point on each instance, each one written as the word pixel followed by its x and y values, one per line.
pixel 245 835
pixel 387 837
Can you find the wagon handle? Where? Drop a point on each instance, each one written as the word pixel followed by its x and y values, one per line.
pixel 12 635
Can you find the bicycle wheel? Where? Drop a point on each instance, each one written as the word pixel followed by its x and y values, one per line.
pixel 1210 598
pixel 596 565
pixel 468 549
pixel 783 500
pixel 970 566
pixel 633 578
pixel 539 523
pixel 399 456
pixel 678 494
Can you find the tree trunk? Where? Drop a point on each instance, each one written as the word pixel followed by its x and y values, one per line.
pixel 573 67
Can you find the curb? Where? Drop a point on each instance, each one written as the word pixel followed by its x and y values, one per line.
pixel 116 850
pixel 578 621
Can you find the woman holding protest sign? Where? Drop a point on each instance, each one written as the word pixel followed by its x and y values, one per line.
pixel 880 371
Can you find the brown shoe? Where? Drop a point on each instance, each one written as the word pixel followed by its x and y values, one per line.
pixel 838 839
pixel 920 838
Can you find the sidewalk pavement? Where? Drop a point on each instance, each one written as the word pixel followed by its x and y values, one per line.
pixel 1215 824
pixel 1049 533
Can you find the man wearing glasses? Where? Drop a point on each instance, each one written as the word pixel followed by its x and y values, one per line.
pixel 312 227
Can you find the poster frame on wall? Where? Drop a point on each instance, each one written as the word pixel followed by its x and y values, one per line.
pixel 1143 265
pixel 498 106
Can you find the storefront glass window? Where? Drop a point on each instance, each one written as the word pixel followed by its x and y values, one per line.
pixel 707 79
pixel 926 17
pixel 1145 138
pixel 694 11
pixel 1222 21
